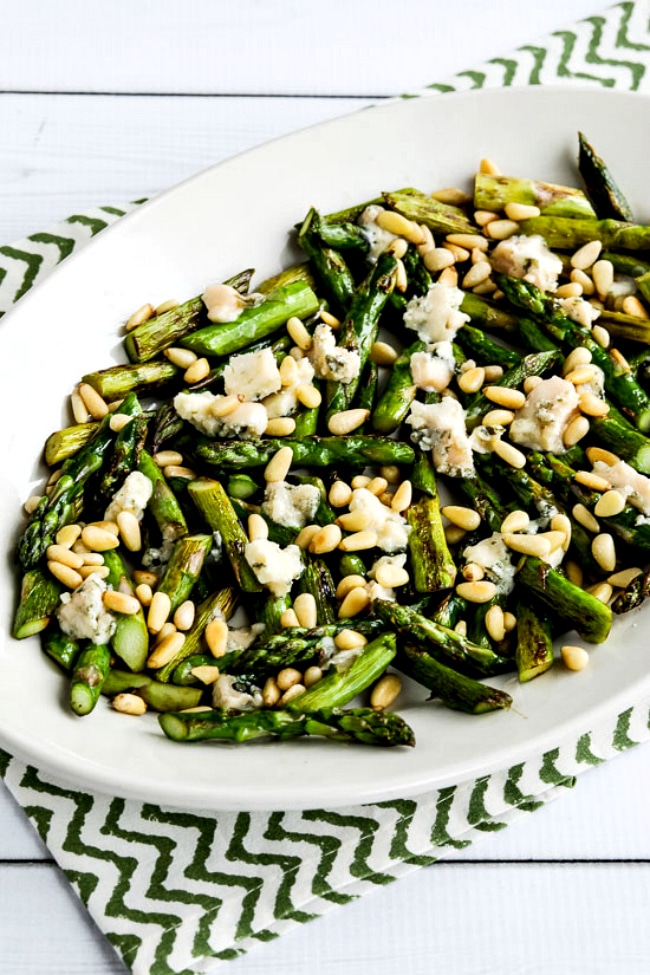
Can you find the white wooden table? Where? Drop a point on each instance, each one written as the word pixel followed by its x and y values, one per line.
pixel 105 103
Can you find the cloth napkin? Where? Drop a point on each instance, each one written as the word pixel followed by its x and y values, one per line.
pixel 175 892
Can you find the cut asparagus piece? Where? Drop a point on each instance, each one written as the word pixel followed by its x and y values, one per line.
pixel 163 504
pixel 432 565
pixel 219 515
pixel 159 697
pixel 65 443
pixel 61 648
pixel 310 452
pixel 130 641
pixel 184 567
pixel 567 233
pixel 335 277
pixel 456 690
pixel 495 192
pixel 534 649
pixel 441 218
pixel 90 670
pixel 145 377
pixel 218 605
pixel 602 190
pixel 39 597
pixel 591 618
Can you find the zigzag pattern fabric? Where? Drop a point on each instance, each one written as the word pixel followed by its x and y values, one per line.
pixel 177 892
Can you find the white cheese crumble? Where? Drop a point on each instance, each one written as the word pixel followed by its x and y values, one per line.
pixel 493 555
pixel 435 316
pixel 285 402
pixel 483 439
pixel 241 637
pixel 226 696
pixel 579 310
pixel 377 237
pixel 634 487
pixel 330 361
pixel 133 496
pixel 549 408
pixel 82 613
pixel 391 529
pixel 291 505
pixel 440 427
pixel 274 567
pixel 434 369
pixel 246 420
pixel 252 375
pixel 223 303
pixel 528 258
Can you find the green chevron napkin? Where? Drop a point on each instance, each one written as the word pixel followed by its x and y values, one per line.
pixel 176 892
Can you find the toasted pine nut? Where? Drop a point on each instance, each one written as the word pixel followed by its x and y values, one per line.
pixel 99 539
pixel 279 465
pixel 586 255
pixel 448 276
pixel 385 691
pixel 349 639
pixel 127 703
pixel 299 334
pixel 377 486
pixel 472 380
pixel 623 578
pixel 495 623
pixel 305 535
pixel 130 530
pixel 602 591
pixel 121 602
pixel 257 527
pixel 94 403
pixel 461 627
pixel 280 426
pixel 94 570
pixel 585 518
pixel 570 290
pixel 118 421
pixel 516 521
pixel 508 452
pixel 473 572
pixel 556 539
pixel 483 217
pixel 398 247
pixel 159 611
pixel 288 370
pixel 166 305
pixel 454 534
pixel 106 525
pixel 583 280
pixel 521 211
pixel 143 314
pixel 396 224
pixel 270 693
pixel 360 481
pixel 60 553
pixel 401 279
pixel 501 229
pixel 633 306
pixel 604 551
pixel 477 274
pixel 599 453
pixel 608 504
pixel 68 535
pixel 325 540
pixel 32 503
pixel 562 524
pixel 438 258
pixel 144 594
pixel 206 674
pixel 287 677
pixel 288 619
pixel 216 637
pixel 601 335
pixel 453 195
pixel 577 357
pixel 577 428
pixel 304 606
pixel 498 418
pixel 427 240
pixel 530 382
pixel 509 621
pixel 574 658
pixel 184 615
pixel 354 603
pixel 65 574
pixel 329 319
pixel 466 518
pixel 312 675
pixel 80 412
pixel 167 649
pixel 183 358
pixel 340 494
pixel 197 371
pixel 347 583
pixel 167 458
pixel 477 592
pixel 141 576
pixel 511 399
pixel 603 274
pixel 621 362
pixel 309 396
pixel 359 541
pixel 383 354
pixel 92 558
pixel 489 167
pixel 591 480
pixel 346 421
pixel 354 521
pixel 582 374
pixel 535 545
pixel 165 630
pixel 224 405
pixel 391 576
pixel 402 497
pixel 295 691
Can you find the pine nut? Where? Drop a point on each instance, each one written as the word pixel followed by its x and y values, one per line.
pixel 99 539
pixel 143 314
pixel 270 693
pixel 60 553
pixel 509 621
pixel 257 528
pixel 312 675
pixel 304 537
pixel 602 591
pixel 516 521
pixel 604 551
pixel 167 649
pixel 120 602
pixel 477 592
pixel 340 494
pixel 577 428
pixel 493 373
pixel 106 525
pixel 427 240
pixel 279 465
pixel 461 627
pixel 585 518
pixel 402 497
pixel 484 217
pixel 489 167
pixel 288 619
pixel 562 524
pixel 118 421
pixel 610 503
pixel 184 615
pixel 398 247
pixel 570 290
pixel 454 534
pixel 383 354
pixel 349 639
pixel 354 603
pixel 32 503
pixel 224 405
pixel 401 279
pixel 530 382
pixel 309 396
pixel 521 211
pixel 360 481
pixel 280 426
pixel 591 480
pixel 472 572
pixel 495 623
pixel 293 692
pixel 183 358
pixel 348 583
pixel 354 521
pixel 130 530
pixel 197 371
pixel 582 374
pixel 142 577
pixel 602 273
pixel 359 541
pixel 167 458
pixel 574 573
pixel 206 674
pixel 535 545
pixel 329 319
pixel 92 558
pixel 68 535
pixel 620 361
pixel 346 421
pixel 396 224
pixel 632 306
pixel 511 399
pixel 186 473
pixel 623 578
pixel 583 280
pixel 144 594
pixel 472 380
pixel 127 703
pixel 601 335
pixel 438 258
pixel 216 637
pixel 65 574
pixel 477 274
pixel 501 229
pixel 453 195
pixel 509 453
pixel 577 357
pixel 385 691
pixel 466 518
pixel 377 486
pixel 304 606
pixel 287 677
pixel 391 576
pixel 94 403
pixel 449 276
pixel 574 658
pixel 158 611
pixel 299 334
pixel 165 630
pixel 556 539
pixel 80 412
pixel 94 570
pixel 326 539
pixel 599 453
pixel 586 255
pixel 498 418
pixel 166 305
pixel 461 254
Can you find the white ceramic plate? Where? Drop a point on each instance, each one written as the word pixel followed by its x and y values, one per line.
pixel 233 216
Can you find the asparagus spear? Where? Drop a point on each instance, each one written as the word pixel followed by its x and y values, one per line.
pixel 432 565
pixel 317 580
pixel 358 724
pixel 399 392
pixel 441 218
pixel 61 648
pixel 567 233
pixel 329 266
pixel 125 454
pixel 495 192
pixel 602 190
pixel 219 515
pixel 163 504
pixel 534 649
pixel 65 443
pixel 562 598
pixel 218 605
pixel 456 690
pixel 39 597
pixel 159 697
pixel 143 377
pixel 184 567
pixel 130 640
pixel 310 452
pixel 88 676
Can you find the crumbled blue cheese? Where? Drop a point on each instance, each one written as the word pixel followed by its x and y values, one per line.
pixel 634 487
pixel 493 555
pixel 377 237
pixel 434 369
pixel 391 528
pixel 291 505
pixel 82 613
pixel 133 496
pixel 440 427
pixel 246 420
pixel 579 310
pixel 226 695
pixel 241 637
pixel 252 375
pixel 528 258
pixel 549 408
pixel 483 439
pixel 330 361
pixel 435 316
pixel 225 304
pixel 285 402
pixel 274 567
